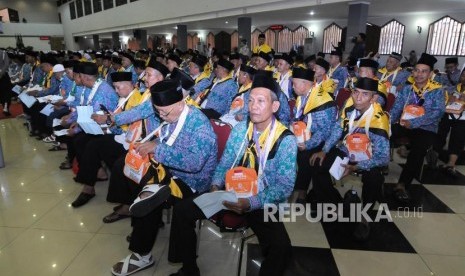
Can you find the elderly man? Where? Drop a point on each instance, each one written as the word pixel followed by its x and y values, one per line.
pixel 416 113
pixel 105 147
pixel 337 71
pixel 184 157
pixel 452 75
pixel 284 66
pixel 197 71
pixel 315 113
pixel 363 122
pixel 216 100
pixel 392 74
pixel 275 176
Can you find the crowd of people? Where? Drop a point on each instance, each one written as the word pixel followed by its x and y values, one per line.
pixel 156 145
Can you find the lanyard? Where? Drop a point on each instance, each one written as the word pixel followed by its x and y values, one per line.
pixel 303 103
pixel 331 70
pixel 263 156
pixel 369 114
pixel 393 74
pixel 177 129
pixel 94 91
pixel 121 103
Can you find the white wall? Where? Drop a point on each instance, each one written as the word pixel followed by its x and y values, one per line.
pixel 35 42
pixel 33 11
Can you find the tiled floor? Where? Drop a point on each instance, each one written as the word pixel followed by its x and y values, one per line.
pixel 41 234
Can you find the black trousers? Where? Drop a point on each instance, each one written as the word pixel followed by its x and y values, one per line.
pixel 272 236
pixel 420 141
pixel 5 89
pixel 305 171
pixel 38 120
pixel 325 192
pixel 101 148
pixel 457 135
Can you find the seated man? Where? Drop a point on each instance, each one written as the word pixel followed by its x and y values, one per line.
pixel 322 79
pixel 366 121
pixel 416 114
pixel 275 174
pixel 392 74
pixel 217 99
pixel 315 113
pixel 184 157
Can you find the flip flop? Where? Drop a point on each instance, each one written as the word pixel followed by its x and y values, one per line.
pixel 142 206
pixel 114 217
pixel 135 260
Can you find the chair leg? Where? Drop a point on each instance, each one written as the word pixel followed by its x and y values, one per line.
pixel 244 238
pixel 199 228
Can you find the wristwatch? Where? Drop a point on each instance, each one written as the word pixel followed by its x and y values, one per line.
pixel 109 122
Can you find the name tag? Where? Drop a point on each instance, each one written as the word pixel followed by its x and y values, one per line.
pixel 242 181
pixel 301 132
pixel 455 107
pixel 359 147
pixel 412 111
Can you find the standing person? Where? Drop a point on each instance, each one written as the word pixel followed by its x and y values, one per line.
pixel 359 46
pixel 5 83
pixel 416 113
pixel 262 46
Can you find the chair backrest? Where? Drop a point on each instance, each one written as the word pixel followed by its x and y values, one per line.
pixel 222 131
pixel 291 106
pixel 342 97
pixel 389 102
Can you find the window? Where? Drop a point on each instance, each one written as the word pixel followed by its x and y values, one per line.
pixel 461 49
pixel 79 10
pixel 97 5
pixel 285 40
pixel 391 38
pixel 270 38
pixel 121 2
pixel 107 4
pixel 72 10
pixel 332 35
pixel 211 39
pixel 299 35
pixel 87 7
pixel 444 36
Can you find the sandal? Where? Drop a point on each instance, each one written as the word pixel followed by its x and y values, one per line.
pixel 49 139
pixel 402 195
pixel 56 148
pixel 134 261
pixel 115 216
pixel 142 206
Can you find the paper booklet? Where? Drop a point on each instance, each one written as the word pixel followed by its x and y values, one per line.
pixel 17 89
pixel 47 110
pixel 212 203
pixel 26 99
pixel 85 121
pixel 336 169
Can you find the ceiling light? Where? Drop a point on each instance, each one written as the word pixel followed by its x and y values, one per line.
pixel 226 22
pixel 312 13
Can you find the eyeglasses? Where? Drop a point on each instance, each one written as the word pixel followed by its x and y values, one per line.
pixel 157 112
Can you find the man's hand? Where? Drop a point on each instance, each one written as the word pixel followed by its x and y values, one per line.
pixel 239 117
pixel 100 119
pixel 214 188
pixel 319 155
pixel 405 123
pixel 348 169
pixel 145 148
pixel 240 207
pixel 33 93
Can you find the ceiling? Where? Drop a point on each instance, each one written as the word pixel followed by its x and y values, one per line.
pixel 323 12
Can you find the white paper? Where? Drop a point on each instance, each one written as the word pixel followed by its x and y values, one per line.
pixel 230 119
pixel 17 89
pixel 56 122
pixel 60 132
pixel 212 203
pixel 336 169
pixel 85 121
pixel 26 99
pixel 47 109
pixel 50 99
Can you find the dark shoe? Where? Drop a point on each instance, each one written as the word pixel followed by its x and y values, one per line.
pixel 65 166
pixel 181 272
pixel 362 231
pixel 82 199
pixel 128 238
pixel 114 217
pixel 432 159
pixel 56 148
pixel 402 196
pixel 117 207
pixel 385 170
